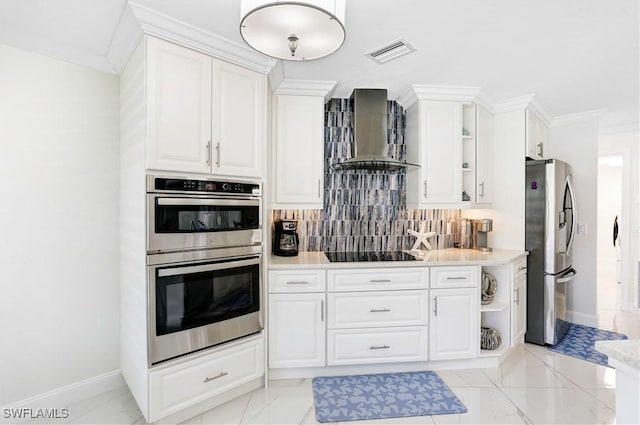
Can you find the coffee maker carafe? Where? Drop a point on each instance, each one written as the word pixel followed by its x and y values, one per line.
pixel 285 240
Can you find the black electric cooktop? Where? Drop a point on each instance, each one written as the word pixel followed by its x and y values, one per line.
pixel 351 257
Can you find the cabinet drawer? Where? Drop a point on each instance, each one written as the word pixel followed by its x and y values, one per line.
pixel 455 277
pixel 358 346
pixel 177 387
pixel 377 279
pixel 283 281
pixel 377 309
pixel 520 267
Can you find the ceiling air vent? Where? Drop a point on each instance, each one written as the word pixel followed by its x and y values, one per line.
pixel 390 51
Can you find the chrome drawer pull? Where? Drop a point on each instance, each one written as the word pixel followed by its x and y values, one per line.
pixel 380 280
pixel 381 310
pixel 456 278
pixel 297 282
pixel 220 375
pixel 379 347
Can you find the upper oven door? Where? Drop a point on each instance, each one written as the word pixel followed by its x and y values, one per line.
pixel 182 222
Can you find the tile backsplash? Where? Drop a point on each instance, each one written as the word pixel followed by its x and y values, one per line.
pixel 365 210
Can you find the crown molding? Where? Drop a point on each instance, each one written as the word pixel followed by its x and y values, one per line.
pixel 307 88
pixel 127 36
pixel 580 116
pixel 159 25
pixel 513 104
pixel 429 92
pixel 620 129
pixel 55 50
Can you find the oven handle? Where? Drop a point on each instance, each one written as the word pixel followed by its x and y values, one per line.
pixel 208 201
pixel 175 271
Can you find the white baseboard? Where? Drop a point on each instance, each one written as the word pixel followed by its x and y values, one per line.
pixel 73 393
pixel 582 319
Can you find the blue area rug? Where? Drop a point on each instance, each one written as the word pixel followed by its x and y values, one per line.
pixel 386 395
pixel 580 341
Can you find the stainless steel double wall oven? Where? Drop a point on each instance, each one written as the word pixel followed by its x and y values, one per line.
pixel 204 263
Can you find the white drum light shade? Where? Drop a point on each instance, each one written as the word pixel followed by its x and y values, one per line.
pixel 302 30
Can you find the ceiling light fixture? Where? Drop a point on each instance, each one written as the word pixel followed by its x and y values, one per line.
pixel 298 31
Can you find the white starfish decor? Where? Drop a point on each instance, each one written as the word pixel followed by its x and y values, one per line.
pixel 422 237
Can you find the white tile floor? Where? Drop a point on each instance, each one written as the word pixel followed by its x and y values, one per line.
pixel 534 385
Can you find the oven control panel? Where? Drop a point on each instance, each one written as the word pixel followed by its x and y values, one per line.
pixel 168 184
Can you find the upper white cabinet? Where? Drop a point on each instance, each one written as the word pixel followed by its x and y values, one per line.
pixel 298 170
pixel 178 108
pixel 434 134
pixel 536 136
pixel 203 115
pixel 484 156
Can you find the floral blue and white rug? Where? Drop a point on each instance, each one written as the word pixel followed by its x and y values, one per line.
pixel 386 395
pixel 580 341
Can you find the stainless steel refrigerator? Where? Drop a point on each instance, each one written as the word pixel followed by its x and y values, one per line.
pixel 550 232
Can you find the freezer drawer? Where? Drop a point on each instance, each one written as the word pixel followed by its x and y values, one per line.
pixel 555 306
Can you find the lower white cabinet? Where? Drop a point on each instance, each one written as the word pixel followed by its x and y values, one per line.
pixel 454 330
pixel 296 330
pixel 377 345
pixel 177 387
pixel 519 303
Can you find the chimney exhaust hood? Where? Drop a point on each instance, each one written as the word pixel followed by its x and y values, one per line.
pixel 371 150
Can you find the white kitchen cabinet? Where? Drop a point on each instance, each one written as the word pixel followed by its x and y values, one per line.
pixel 344 280
pixel 519 301
pixel 175 388
pixel 296 330
pixel 484 156
pixel 536 135
pixel 203 115
pixel 297 324
pixel 454 329
pixel 238 132
pixel 178 108
pixel 434 141
pixel 298 151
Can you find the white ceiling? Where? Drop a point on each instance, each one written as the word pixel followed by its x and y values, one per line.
pixel 575 55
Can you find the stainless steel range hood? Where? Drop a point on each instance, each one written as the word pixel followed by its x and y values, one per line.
pixel 371 150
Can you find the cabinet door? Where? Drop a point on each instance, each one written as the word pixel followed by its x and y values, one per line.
pixel 299 151
pixel 519 309
pixel 454 330
pixel 441 152
pixel 178 108
pixel 296 330
pixel 536 135
pixel 484 155
pixel 238 121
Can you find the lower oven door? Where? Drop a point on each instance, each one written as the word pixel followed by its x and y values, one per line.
pixel 197 305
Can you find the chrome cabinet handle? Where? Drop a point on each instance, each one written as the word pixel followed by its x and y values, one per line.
pixel 541 148
pixel 297 282
pixel 318 188
pixel 379 280
pixel 482 190
pixel 379 347
pixel 425 188
pixel 218 376
pixel 517 294
pixel 322 311
pixel 456 278
pixel 218 154
pixel 435 306
pixel 380 310
pixel 208 152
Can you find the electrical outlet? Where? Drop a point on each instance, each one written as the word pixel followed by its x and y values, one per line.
pixel 582 229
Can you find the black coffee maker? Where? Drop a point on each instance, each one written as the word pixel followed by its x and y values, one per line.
pixel 285 238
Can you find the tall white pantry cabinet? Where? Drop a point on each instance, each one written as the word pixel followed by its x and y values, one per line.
pixel 182 111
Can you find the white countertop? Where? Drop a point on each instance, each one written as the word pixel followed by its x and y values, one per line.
pixel 626 351
pixel 443 257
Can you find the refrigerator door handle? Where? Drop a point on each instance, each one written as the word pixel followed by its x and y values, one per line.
pixel 568 276
pixel 574 209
